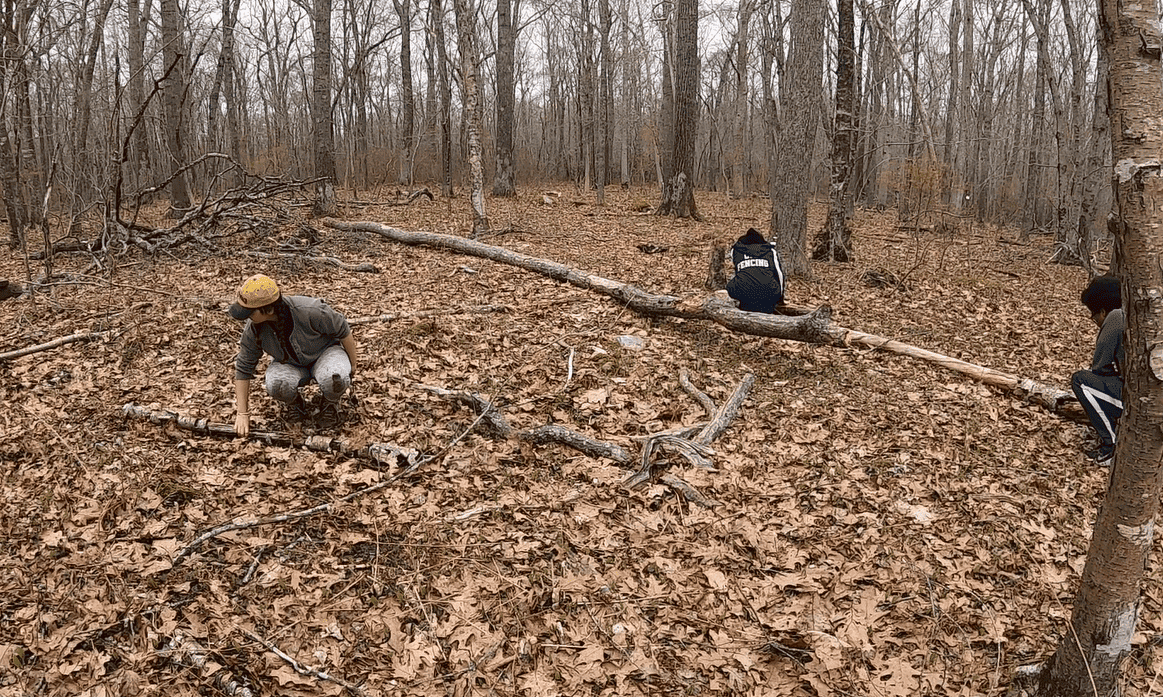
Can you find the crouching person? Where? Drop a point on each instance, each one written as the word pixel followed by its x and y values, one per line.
pixel 758 280
pixel 306 340
pixel 1100 389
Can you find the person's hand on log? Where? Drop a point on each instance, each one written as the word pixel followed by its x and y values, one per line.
pixel 242 425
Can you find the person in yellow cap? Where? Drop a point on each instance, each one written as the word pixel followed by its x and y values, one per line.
pixel 306 340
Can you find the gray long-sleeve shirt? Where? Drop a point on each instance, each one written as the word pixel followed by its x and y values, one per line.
pixel 1109 354
pixel 316 328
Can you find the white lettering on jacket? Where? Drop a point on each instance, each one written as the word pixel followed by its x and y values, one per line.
pixel 748 263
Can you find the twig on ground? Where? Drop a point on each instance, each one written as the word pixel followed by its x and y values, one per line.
pixel 299 667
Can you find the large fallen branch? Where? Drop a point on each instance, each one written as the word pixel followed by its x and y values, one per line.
pixel 690 443
pixel 814 327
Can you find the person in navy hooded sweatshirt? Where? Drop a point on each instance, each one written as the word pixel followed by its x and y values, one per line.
pixel 758 280
pixel 1100 388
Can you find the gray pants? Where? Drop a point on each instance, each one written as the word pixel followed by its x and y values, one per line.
pixel 332 371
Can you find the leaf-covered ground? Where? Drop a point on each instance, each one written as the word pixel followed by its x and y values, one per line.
pixel 884 527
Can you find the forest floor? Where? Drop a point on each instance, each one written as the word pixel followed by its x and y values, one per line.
pixel 883 527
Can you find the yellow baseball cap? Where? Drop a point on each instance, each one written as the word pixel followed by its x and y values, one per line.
pixel 255 292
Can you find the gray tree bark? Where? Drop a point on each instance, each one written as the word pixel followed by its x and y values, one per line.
pixel 173 52
pixel 678 194
pixel 504 183
pixel 835 242
pixel 1106 610
pixel 469 56
pixel 796 136
pixel 322 120
pixel 407 96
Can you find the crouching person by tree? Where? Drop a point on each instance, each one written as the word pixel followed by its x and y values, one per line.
pixel 758 280
pixel 306 340
pixel 1100 389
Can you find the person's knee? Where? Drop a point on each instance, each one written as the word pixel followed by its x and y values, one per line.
pixel 335 385
pixel 1078 378
pixel 281 390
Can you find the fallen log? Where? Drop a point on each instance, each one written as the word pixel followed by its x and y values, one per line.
pixel 814 327
pixel 387 454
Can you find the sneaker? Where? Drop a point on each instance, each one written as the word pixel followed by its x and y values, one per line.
pixel 1102 454
pixel 329 415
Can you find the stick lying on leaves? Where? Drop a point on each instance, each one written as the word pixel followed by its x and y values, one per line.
pixel 299 667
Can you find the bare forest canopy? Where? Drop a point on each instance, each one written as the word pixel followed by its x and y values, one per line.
pixel 977 110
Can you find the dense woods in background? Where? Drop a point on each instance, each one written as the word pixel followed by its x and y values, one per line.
pixel 982 111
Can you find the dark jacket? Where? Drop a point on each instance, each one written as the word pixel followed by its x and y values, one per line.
pixel 758 280
pixel 1109 353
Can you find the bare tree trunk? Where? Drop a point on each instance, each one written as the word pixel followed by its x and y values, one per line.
pixel 835 242
pixel 602 147
pixel 951 111
pixel 14 205
pixel 629 69
pixel 503 183
pixel 138 20
pixel 795 137
pixel 407 98
pixel 664 150
pixel 1033 182
pixel 585 96
pixel 1106 610
pixel 225 135
pixel 1068 248
pixel 1091 220
pixel 173 87
pixel 740 128
pixel 466 31
pixel 83 177
pixel 322 126
pixel 964 167
pixel 443 69
pixel 678 195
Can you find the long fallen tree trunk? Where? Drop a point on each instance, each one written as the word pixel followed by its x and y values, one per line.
pixel 814 327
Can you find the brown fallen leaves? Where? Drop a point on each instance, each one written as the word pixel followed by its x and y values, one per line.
pixel 884 527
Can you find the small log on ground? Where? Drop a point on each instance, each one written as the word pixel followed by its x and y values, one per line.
pixel 386 454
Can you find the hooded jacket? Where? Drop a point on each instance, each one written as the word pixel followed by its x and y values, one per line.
pixel 758 280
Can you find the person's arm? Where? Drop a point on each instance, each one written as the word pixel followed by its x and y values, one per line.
pixel 348 344
pixel 242 406
pixel 1106 346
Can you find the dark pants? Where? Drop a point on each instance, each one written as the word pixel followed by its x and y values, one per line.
pixel 752 299
pixel 1101 397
